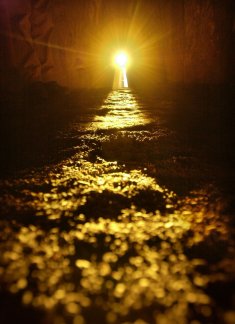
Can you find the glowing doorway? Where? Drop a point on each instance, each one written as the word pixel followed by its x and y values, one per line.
pixel 120 76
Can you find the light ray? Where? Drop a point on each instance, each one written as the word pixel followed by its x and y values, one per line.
pixel 40 43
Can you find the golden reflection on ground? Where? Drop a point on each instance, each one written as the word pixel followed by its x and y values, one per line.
pixel 93 244
pixel 120 110
pixel 93 240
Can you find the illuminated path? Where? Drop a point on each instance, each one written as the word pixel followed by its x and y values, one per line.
pixel 122 111
pixel 97 238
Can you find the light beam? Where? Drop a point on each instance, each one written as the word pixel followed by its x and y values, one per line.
pixel 120 76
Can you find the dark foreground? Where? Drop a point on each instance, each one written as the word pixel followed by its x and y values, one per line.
pixel 117 207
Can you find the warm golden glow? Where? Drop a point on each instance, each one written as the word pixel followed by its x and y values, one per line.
pixel 122 110
pixel 121 59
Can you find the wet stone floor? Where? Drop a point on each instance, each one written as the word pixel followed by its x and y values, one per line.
pixel 98 237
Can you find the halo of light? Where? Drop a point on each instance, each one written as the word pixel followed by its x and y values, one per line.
pixel 121 59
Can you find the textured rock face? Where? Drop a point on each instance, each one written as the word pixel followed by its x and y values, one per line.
pixel 51 40
pixel 72 42
pixel 207 40
pixel 194 40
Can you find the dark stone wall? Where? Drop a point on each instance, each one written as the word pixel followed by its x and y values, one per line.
pixel 193 41
pixel 208 27
pixel 72 42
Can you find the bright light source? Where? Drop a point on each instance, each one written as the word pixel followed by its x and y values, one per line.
pixel 121 59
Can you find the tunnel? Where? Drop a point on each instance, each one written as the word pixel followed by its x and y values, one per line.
pixel 117 154
pixel 72 43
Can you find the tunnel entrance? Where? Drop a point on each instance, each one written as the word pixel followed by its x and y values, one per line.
pixel 120 80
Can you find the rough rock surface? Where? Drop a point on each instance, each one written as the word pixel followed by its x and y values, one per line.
pixel 113 213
